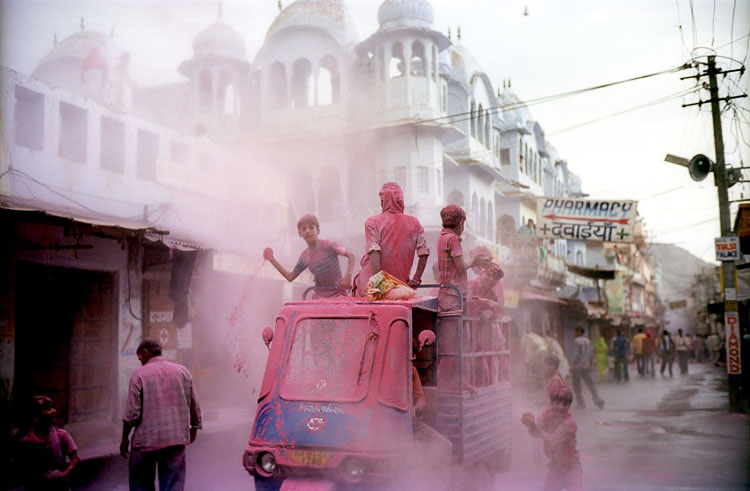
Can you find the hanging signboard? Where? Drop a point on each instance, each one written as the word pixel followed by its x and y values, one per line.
pixel 586 219
pixel 727 248
pixel 732 330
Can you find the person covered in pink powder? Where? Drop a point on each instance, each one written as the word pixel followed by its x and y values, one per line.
pixel 557 428
pixel 322 259
pixel 392 238
pixel 47 454
pixel 452 269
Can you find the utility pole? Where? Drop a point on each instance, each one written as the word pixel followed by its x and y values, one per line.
pixel 727 267
pixel 699 166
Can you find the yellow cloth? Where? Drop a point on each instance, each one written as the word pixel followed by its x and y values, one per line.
pixel 638 342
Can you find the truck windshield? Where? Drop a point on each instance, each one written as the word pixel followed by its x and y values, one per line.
pixel 330 360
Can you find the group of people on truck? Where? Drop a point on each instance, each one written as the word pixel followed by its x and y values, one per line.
pixel 392 239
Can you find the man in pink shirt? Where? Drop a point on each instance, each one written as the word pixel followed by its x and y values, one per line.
pixel 163 409
pixel 392 238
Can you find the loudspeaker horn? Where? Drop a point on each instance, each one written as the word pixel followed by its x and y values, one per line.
pixel 700 166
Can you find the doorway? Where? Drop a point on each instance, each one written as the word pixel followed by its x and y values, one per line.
pixel 65 335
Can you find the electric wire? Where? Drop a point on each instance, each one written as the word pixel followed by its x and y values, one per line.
pixel 731 29
pixel 692 17
pixel 539 100
pixel 713 24
pixel 679 26
pixel 625 111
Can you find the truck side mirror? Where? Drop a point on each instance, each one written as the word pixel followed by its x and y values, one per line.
pixel 268 337
pixel 426 338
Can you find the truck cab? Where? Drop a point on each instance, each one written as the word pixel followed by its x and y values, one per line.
pixel 336 402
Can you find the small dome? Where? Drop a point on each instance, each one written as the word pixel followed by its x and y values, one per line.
pixel 219 40
pixel 77 48
pixel 330 16
pixel 461 62
pixel 398 14
pixel 81 63
pixel 515 111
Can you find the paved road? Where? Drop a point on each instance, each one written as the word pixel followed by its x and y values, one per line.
pixel 652 434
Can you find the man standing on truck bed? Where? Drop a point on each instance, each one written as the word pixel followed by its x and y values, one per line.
pixel 392 238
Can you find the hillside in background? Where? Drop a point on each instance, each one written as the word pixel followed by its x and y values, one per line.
pixel 678 271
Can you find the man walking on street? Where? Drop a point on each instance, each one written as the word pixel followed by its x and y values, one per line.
pixel 620 347
pixel 583 360
pixel 163 409
pixel 666 348
pixel 682 343
pixel 638 350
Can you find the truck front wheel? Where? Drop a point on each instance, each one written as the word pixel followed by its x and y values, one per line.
pixel 267 484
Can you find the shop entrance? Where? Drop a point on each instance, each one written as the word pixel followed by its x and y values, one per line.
pixel 65 335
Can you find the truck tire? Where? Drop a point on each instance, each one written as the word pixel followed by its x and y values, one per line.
pixel 266 484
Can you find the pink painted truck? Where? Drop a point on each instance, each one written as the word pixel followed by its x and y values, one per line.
pixel 335 409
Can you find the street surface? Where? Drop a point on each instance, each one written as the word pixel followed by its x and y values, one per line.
pixel 652 434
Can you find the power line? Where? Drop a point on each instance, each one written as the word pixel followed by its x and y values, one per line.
pixel 539 100
pixel 625 111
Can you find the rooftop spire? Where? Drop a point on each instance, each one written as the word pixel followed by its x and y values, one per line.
pixel 83 25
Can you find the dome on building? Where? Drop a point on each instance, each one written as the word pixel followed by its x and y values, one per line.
pixel 398 14
pixel 330 16
pixel 219 40
pixel 75 49
pixel 515 112
pixel 461 63
pixel 83 63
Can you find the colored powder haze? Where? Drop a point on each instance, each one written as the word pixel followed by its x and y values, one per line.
pixel 232 311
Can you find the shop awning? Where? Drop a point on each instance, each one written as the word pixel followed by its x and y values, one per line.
pixel 33 210
pixel 593 273
pixel 538 296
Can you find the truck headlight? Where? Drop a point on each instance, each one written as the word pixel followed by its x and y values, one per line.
pixel 267 462
pixel 353 470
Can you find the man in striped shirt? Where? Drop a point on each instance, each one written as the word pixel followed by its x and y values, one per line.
pixel 163 409
pixel 322 259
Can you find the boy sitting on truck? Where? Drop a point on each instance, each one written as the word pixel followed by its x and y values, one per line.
pixel 322 259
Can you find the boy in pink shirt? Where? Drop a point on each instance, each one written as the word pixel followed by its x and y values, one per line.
pixel 322 259
pixel 557 428
pixel 47 454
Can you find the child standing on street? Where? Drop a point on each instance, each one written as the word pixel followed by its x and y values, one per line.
pixel 47 454
pixel 322 259
pixel 557 428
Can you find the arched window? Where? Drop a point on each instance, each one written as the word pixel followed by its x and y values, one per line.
pixel 482 218
pixel 205 89
pixel 396 62
pixel 473 119
pixel 579 258
pixel 417 65
pixel 455 197
pixel 487 127
pixel 434 62
pixel 254 95
pixel 479 135
pixel 380 64
pixel 302 87
pixel 474 215
pixel 490 219
pixel 227 100
pixel 277 85
pixel 328 81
